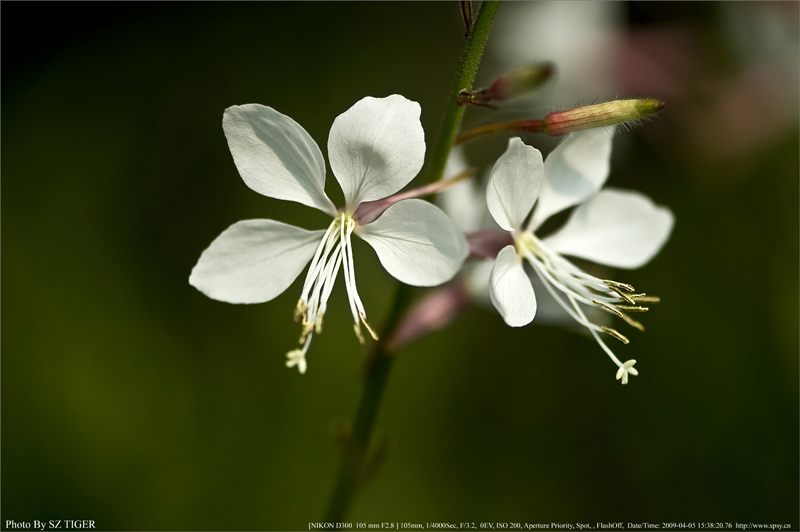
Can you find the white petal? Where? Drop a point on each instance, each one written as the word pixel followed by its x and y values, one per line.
pixel 514 184
pixel 275 156
pixel 376 147
pixel 619 228
pixel 456 162
pixel 464 203
pixel 254 261
pixel 417 243
pixel 574 171
pixel 476 275
pixel 511 290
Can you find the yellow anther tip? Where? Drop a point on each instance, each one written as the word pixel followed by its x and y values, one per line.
pixel 359 334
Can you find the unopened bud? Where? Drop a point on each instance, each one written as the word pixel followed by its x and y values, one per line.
pixel 599 115
pixel 562 122
pixel 466 14
pixel 511 85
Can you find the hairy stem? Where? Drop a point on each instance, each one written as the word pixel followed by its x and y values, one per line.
pixel 473 49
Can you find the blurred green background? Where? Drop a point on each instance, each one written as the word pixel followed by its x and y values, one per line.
pixel 131 399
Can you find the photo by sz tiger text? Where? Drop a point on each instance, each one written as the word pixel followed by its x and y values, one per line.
pixel 51 524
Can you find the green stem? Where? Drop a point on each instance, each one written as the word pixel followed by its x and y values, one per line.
pixel 528 126
pixel 473 49
pixel 379 362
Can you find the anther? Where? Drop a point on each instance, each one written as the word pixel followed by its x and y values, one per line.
pixel 307 326
pixel 359 335
pixel 632 322
pixel 609 308
pixel 625 297
pixel 307 329
pixel 368 326
pixel 616 334
pixel 615 284
pixel 647 299
pixel 633 308
pixel 299 310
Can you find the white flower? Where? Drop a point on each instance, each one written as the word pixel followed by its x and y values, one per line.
pixel 375 148
pixel 619 228
pixel 465 204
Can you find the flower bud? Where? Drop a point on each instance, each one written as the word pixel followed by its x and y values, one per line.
pixel 599 115
pixel 466 14
pixel 511 85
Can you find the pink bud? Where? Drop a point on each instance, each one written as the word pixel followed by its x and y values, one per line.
pixel 509 86
pixel 437 310
pixel 599 115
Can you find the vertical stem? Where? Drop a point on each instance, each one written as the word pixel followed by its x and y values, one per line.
pixel 379 362
pixel 473 49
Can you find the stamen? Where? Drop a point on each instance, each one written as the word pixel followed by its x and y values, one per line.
pixel 612 284
pixel 569 286
pixel 328 282
pixel 368 326
pixel 359 334
pixel 308 328
pixel 609 308
pixel 544 276
pixel 647 299
pixel 310 308
pixel 597 338
pixel 623 295
pixel 563 274
pixel 323 287
pixel 550 274
pixel 617 310
pixel 633 308
pixel 300 310
pixel 632 322
pixel 356 305
pixel 349 277
pixel 324 248
pixel 616 334
pixel 334 251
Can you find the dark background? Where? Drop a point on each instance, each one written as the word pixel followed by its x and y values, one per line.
pixel 131 399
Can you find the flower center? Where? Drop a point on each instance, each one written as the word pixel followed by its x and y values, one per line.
pixel 334 252
pixel 569 286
